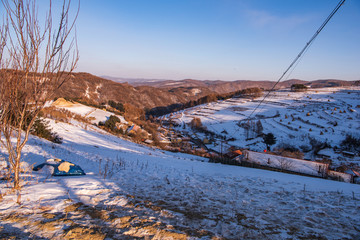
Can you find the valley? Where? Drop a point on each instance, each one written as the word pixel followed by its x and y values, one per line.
pixel 308 125
pixel 140 191
pixel 179 120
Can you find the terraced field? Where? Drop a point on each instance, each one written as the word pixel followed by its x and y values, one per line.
pixel 295 118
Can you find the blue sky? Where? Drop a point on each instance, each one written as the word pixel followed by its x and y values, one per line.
pixel 217 39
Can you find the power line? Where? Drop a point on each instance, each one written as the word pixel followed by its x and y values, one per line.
pixel 308 44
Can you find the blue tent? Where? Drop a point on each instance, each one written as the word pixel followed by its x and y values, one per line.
pixel 61 168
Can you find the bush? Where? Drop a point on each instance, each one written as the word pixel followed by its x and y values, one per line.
pixel 351 143
pixel 196 123
pixel 287 150
pixel 41 129
pixel 286 147
pixel 317 145
pixel 305 148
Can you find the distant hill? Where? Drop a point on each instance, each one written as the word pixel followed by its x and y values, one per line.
pixel 133 81
pixel 99 90
pixel 154 93
pixel 219 86
pixel 330 83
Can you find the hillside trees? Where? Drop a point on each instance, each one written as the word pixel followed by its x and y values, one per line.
pixel 36 58
pixel 117 105
pixel 253 92
pixel 132 113
pixel 248 92
pixel 298 88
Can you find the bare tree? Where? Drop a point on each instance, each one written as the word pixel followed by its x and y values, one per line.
pixel 285 164
pixel 35 60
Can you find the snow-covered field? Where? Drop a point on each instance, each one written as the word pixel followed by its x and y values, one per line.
pixel 133 191
pixel 326 114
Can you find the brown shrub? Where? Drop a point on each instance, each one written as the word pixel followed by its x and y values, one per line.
pixel 295 154
pixel 62 115
pixel 196 123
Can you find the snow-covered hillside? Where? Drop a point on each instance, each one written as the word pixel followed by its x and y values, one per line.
pixel 94 114
pixel 295 118
pixel 133 191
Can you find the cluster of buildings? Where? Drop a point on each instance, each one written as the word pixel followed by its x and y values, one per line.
pixel 183 143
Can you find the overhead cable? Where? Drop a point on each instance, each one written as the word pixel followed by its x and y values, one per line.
pixel 308 44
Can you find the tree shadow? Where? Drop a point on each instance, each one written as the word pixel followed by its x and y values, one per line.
pixel 8 231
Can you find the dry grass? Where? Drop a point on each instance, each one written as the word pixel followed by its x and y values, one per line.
pixel 63 115
pixel 81 221
pixel 85 233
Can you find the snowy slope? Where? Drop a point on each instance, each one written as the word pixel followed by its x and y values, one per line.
pixel 326 114
pixel 96 115
pixel 156 194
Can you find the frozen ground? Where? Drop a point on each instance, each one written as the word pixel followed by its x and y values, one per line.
pixel 132 191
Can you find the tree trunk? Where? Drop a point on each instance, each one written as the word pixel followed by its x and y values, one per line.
pixel 17 174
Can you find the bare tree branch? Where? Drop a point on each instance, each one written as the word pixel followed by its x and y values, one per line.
pixel 34 63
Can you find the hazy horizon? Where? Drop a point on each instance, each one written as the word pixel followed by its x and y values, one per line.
pixel 155 79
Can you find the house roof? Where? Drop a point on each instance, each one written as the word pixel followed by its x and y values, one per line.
pixel 237 152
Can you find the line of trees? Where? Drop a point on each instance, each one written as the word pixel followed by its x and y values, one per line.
pixel 248 92
pixel 299 88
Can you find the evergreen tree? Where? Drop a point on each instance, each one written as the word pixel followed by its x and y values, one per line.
pixel 117 105
pixel 42 129
pixel 111 122
pixel 269 139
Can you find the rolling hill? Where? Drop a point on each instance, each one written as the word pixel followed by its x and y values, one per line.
pixel 151 94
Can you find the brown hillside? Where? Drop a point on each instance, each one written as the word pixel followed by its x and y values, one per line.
pixel 152 94
pixel 94 89
pixel 218 86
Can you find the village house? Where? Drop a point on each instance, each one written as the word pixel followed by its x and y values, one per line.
pixel 132 129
